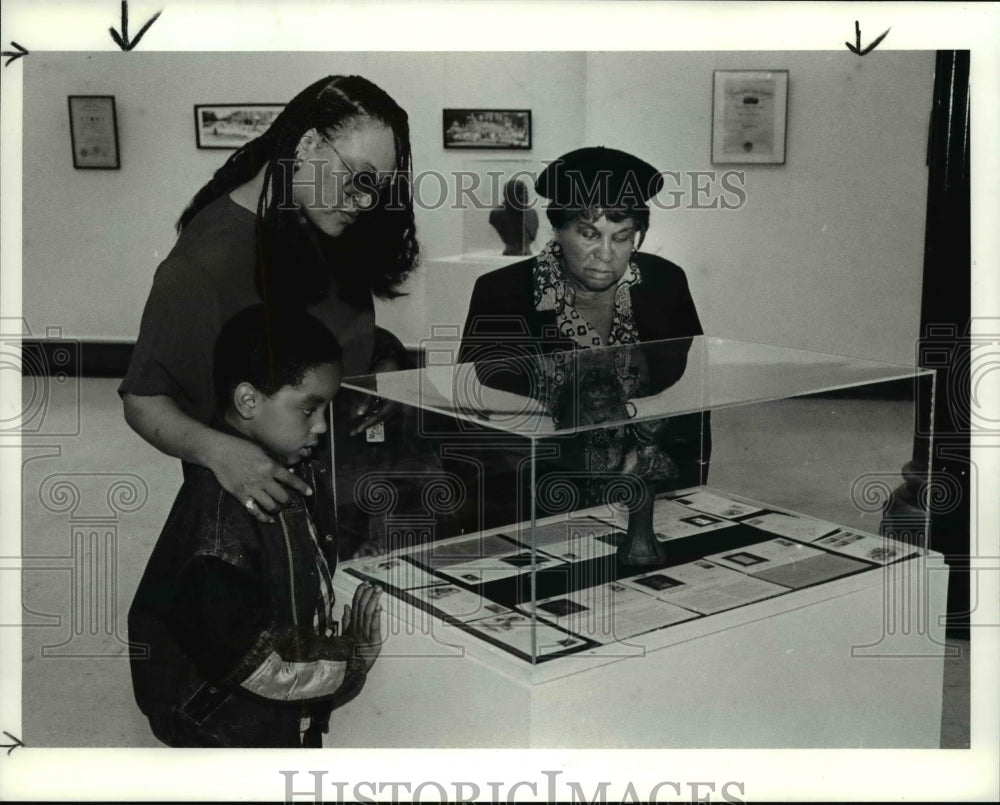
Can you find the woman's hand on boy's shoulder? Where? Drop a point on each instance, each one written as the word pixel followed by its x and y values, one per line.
pixel 258 482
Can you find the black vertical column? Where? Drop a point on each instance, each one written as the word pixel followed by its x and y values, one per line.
pixel 945 332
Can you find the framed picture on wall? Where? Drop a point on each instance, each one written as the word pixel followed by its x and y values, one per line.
pixel 487 128
pixel 231 125
pixel 93 131
pixel 749 116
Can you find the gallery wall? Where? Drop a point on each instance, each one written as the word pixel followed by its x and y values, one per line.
pixel 92 239
pixel 825 252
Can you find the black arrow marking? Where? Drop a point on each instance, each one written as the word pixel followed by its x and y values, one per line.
pixel 17 742
pixel 122 40
pixel 14 56
pixel 864 51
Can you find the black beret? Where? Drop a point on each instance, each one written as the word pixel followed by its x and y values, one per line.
pixel 599 177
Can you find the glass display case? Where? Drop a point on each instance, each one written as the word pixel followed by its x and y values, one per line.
pixel 594 504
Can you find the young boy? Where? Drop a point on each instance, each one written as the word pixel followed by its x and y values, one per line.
pixel 238 615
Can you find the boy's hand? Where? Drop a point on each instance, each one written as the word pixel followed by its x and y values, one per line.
pixel 363 620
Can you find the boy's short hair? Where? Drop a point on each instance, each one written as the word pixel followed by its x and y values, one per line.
pixel 270 347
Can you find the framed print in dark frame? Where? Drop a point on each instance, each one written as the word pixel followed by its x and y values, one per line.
pixel 231 125
pixel 749 116
pixel 93 131
pixel 504 129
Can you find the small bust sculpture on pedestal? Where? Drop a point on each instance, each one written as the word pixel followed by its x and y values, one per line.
pixel 647 462
pixel 515 222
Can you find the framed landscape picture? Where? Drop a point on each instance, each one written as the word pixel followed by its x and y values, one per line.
pixel 231 125
pixel 487 128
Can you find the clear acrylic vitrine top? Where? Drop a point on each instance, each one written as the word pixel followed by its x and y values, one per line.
pixel 698 374
pixel 605 494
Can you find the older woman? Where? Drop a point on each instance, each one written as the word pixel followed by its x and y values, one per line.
pixel 315 212
pixel 591 287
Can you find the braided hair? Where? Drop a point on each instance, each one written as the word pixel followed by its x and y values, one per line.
pixel 295 262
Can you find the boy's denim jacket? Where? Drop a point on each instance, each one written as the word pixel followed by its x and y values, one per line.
pixel 224 651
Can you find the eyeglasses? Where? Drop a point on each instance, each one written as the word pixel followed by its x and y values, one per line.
pixel 364 183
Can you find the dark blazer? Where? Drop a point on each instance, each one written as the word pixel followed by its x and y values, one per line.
pixel 503 324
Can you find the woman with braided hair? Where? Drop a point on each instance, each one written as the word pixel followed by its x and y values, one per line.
pixel 316 212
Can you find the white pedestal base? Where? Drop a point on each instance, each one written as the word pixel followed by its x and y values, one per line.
pixel 853 663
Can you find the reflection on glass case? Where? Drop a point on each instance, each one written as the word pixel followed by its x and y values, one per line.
pixel 601 497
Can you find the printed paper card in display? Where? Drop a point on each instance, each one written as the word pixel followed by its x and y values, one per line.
pixel 392 571
pixel 457 602
pixel 705 587
pixel 791 564
pixel 607 613
pixel 772 553
pixel 514 629
pixel 575 540
pixel 804 529
pixel 880 550
pixel 456 552
pixel 502 566
pixel 711 503
pixel 672 520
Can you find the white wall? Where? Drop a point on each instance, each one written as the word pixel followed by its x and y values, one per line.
pixel 552 86
pixel 92 239
pixel 826 253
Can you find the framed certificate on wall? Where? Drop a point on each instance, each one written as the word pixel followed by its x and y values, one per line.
pixel 749 115
pixel 93 129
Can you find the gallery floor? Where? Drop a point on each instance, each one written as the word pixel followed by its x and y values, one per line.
pixel 94 496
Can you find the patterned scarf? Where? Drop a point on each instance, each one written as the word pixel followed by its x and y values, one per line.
pixel 552 291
